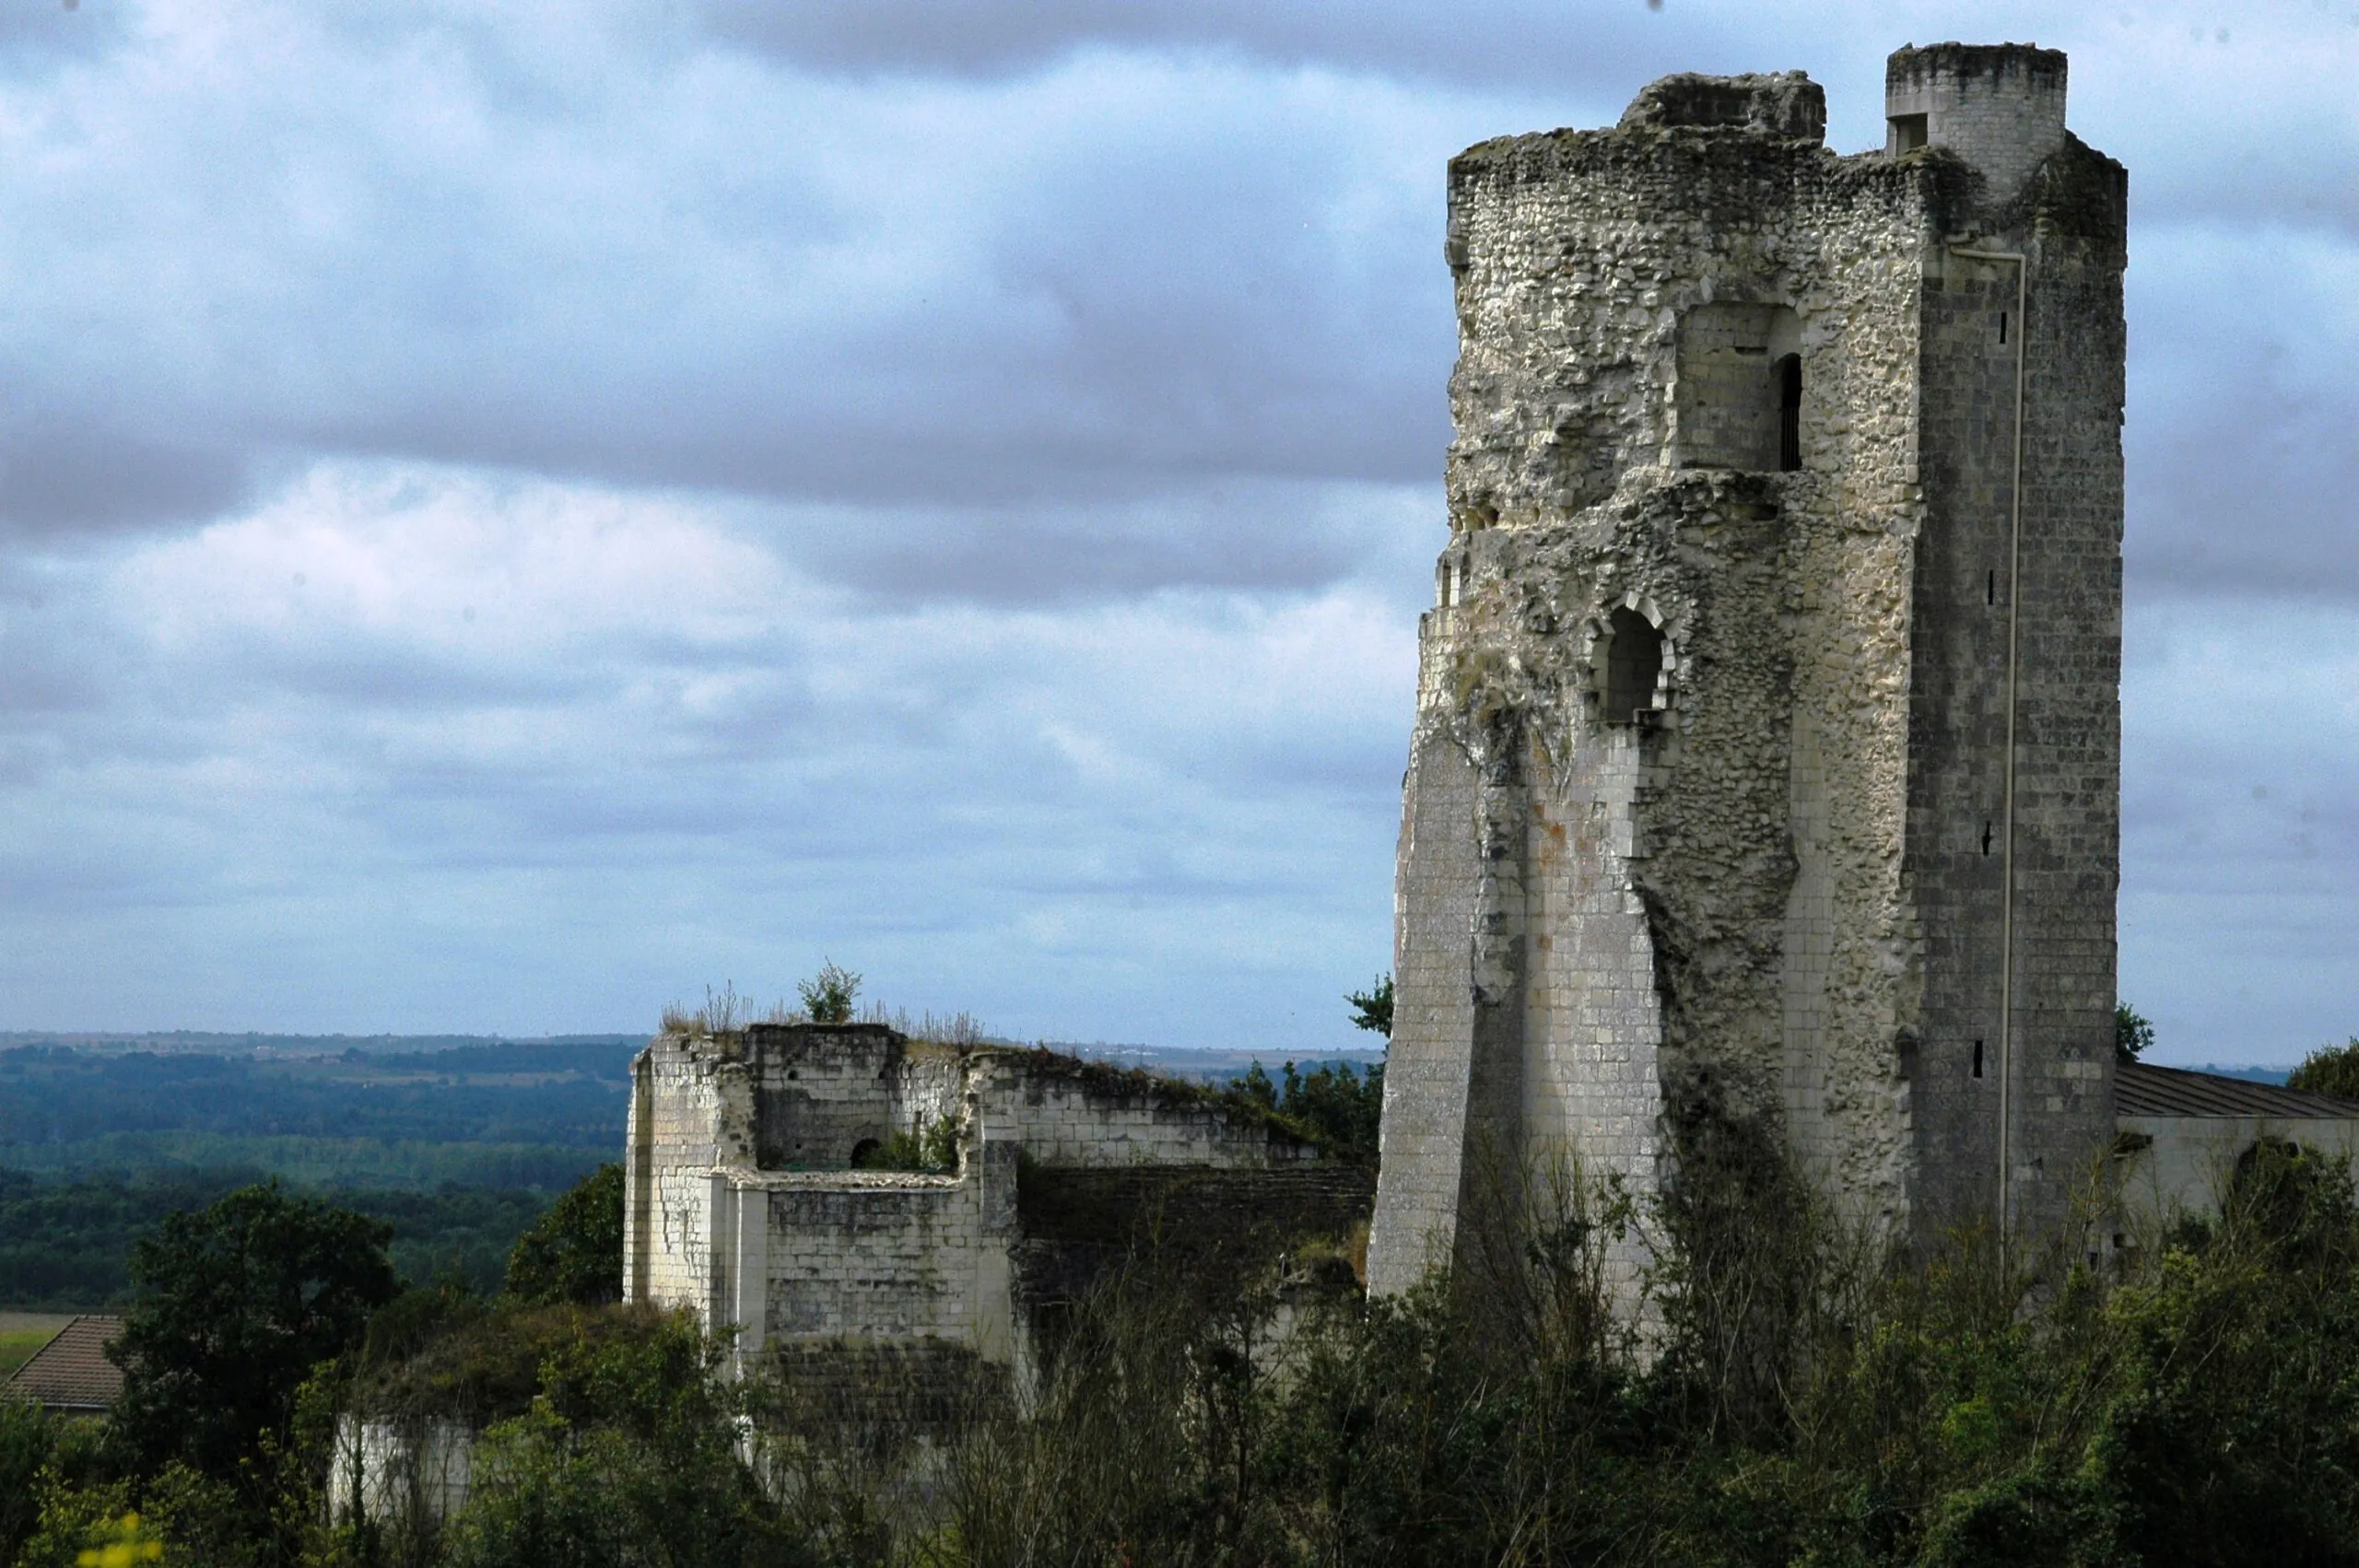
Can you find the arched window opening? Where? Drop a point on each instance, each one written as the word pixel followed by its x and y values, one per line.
pixel 867 1154
pixel 1633 666
pixel 1789 371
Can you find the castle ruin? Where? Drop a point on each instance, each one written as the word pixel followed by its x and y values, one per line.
pixel 752 1196
pixel 1766 762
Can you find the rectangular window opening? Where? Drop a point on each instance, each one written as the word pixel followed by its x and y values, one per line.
pixel 1907 132
pixel 1990 588
pixel 1977 1058
pixel 2002 326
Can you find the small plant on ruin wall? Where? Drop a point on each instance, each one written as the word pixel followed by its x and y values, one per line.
pixel 827 995
pixel 723 1013
pixel 962 1029
pixel 926 1146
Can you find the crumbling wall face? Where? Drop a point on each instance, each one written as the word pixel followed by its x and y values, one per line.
pixel 692 1111
pixel 1075 1114
pixel 1849 972
pixel 823 1089
pixel 1711 905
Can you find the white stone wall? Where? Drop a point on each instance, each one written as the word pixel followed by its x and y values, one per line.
pixel 2186 1167
pixel 692 1117
pixel 389 1471
pixel 868 1254
pixel 821 1255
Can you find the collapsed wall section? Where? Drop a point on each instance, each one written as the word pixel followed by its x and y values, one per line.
pixel 815 1268
pixel 827 1094
pixel 1064 1111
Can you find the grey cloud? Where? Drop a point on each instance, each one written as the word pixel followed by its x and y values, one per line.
pixel 39 35
pixel 2241 472
pixel 1523 41
pixel 76 473
pixel 1236 534
pixel 1107 323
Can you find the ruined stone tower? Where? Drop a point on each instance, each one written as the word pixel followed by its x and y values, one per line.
pixel 1766 762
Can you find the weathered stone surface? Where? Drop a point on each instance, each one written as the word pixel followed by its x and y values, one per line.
pixel 1750 408
pixel 741 1202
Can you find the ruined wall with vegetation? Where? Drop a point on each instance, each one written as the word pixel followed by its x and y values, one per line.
pixel 757 1196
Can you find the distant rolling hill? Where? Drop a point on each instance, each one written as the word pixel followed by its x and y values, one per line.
pixel 505 1112
pixel 458 1142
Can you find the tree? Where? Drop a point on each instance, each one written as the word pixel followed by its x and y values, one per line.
pixel 827 995
pixel 2131 1033
pixel 628 1457
pixel 236 1303
pixel 2330 1070
pixel 1341 1109
pixel 573 1253
pixel 1372 1009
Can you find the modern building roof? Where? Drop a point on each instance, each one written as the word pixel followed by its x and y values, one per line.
pixel 2142 1089
pixel 71 1372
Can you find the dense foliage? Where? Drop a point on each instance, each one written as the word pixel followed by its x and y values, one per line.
pixel 515 1115
pixel 66 1244
pixel 573 1253
pixel 236 1303
pixel 518 1093
pixel 2197 1409
pixel 1341 1107
pixel 2330 1070
pixel 1786 1395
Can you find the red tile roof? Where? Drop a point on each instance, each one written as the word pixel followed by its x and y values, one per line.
pixel 2142 1089
pixel 71 1372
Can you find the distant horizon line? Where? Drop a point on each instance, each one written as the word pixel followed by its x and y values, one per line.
pixel 268 1037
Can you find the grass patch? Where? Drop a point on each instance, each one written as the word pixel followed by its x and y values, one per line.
pixel 18 1345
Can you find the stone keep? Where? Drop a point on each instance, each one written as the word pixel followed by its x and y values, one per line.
pixel 1766 760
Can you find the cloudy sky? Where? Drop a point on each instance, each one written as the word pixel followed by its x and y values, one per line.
pixel 511 514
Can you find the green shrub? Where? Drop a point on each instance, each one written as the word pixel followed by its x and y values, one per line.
pixel 574 1253
pixel 2131 1032
pixel 829 995
pixel 625 1456
pixel 926 1146
pixel 2330 1070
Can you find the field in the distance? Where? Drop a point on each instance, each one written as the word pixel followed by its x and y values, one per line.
pixel 23 1333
